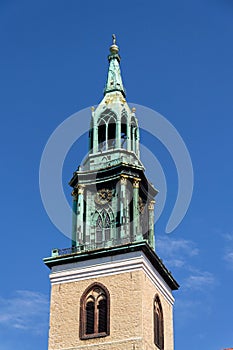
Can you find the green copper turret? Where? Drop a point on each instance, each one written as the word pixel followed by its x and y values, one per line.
pixel 113 202
pixel 114 125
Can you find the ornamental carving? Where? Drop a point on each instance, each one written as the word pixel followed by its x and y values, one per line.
pixel 103 196
pixel 151 205
pixel 74 194
pixel 136 183
pixel 81 189
pixel 123 179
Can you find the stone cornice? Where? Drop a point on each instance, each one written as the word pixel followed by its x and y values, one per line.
pixel 114 251
pixel 119 266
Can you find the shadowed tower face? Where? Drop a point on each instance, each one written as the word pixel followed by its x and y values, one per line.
pixel 110 290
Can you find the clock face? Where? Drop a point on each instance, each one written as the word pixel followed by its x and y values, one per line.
pixel 103 196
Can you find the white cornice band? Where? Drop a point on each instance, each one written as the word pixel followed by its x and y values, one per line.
pixel 98 270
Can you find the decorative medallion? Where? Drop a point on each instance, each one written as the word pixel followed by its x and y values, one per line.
pixel 103 196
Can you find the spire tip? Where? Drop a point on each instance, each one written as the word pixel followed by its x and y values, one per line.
pixel 114 49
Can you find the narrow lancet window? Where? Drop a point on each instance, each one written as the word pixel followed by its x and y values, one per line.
pixel 102 136
pixel 111 133
pixel 107 227
pixel 99 230
pixel 124 132
pixel 158 324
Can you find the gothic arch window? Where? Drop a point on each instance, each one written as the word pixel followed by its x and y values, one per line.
pixel 158 324
pixel 94 312
pixel 133 127
pixel 106 115
pixel 102 222
pixel 106 130
pixel 91 135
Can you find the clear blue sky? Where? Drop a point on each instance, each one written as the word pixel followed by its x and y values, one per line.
pixel 177 58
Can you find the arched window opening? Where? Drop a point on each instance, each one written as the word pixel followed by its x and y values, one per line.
pixel 91 135
pixel 133 132
pixel 136 133
pixel 102 136
pixel 111 133
pixel 90 139
pixel 158 324
pixel 103 227
pixel 106 115
pixel 124 132
pixel 94 312
pixel 106 130
pixel 136 139
pixel 133 128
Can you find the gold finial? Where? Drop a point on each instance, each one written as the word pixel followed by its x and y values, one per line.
pixel 114 48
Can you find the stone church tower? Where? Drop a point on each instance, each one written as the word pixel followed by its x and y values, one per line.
pixel 110 290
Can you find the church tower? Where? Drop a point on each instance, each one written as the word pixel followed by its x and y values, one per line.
pixel 110 290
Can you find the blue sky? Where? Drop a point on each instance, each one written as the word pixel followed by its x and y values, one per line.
pixel 177 58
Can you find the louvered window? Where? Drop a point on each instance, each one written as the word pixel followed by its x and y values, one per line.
pixel 94 316
pixel 158 324
pixel 90 316
pixel 102 316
